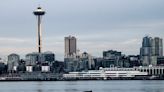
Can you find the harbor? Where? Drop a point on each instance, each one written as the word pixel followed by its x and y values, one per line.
pixel 114 73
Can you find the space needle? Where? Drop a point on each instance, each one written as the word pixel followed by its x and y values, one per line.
pixel 39 12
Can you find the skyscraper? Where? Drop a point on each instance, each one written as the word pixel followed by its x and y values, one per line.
pixel 150 50
pixel 146 50
pixel 158 46
pixel 157 50
pixel 70 46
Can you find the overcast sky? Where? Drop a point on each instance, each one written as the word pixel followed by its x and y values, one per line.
pixel 98 25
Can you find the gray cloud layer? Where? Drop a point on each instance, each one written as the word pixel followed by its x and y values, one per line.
pixel 98 24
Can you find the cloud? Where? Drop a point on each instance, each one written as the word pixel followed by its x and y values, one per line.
pixel 131 42
pixel 98 25
pixel 129 46
pixel 15 42
pixel 11 40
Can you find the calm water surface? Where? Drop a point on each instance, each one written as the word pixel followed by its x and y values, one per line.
pixel 80 86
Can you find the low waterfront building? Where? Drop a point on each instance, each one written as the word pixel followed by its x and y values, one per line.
pixel 57 67
pixel 83 61
pixel 71 64
pixel 37 68
pixel 98 63
pixel 134 60
pixel 48 57
pixel 45 67
pixel 29 68
pixel 32 58
pixel 160 61
pixel 111 57
pixel 111 54
pixel 114 58
pixel 106 73
pixel 21 68
pixel 35 58
pixel 151 70
pixel 3 68
pixel 13 62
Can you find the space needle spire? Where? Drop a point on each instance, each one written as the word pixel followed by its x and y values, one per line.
pixel 39 12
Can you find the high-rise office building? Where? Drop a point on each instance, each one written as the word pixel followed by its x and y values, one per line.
pixel 158 46
pixel 146 50
pixel 70 46
pixel 150 50
pixel 157 50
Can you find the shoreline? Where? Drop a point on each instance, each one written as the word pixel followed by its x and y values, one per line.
pixel 39 80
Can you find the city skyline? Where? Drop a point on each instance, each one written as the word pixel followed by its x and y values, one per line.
pixel 100 27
